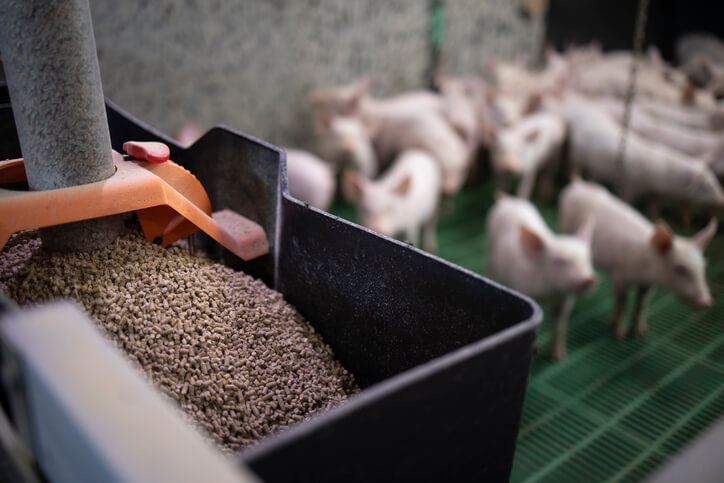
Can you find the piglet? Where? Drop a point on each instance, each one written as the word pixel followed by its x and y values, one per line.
pixel 347 144
pixel 503 108
pixel 526 255
pixel 516 78
pixel 715 160
pixel 432 134
pixel 528 147
pixel 188 133
pixel 310 179
pixel 376 115
pixel 693 142
pixel 648 168
pixel 410 121
pixel 689 116
pixel 466 96
pixel 702 58
pixel 403 201
pixel 354 99
pixel 636 252
pixel 459 109
pixel 610 75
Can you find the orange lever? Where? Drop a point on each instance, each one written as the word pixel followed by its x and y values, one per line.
pixel 169 201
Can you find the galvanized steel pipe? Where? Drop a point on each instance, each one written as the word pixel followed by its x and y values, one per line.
pixel 51 65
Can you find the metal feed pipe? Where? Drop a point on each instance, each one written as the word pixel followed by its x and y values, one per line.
pixel 52 72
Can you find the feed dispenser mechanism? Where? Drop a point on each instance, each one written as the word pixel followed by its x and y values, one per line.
pixel 169 201
pixel 441 354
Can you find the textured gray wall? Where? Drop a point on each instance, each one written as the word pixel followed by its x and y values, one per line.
pixel 476 30
pixel 250 64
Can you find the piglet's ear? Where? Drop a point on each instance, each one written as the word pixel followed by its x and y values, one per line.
pixel 703 238
pixel 352 185
pixel 585 231
pixel 358 91
pixel 662 239
pixel 403 186
pixel 532 136
pixel 533 103
pixel 532 244
pixel 324 120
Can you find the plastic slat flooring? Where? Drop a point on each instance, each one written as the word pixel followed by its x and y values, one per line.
pixel 613 410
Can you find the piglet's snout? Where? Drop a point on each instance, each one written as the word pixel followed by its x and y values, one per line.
pixel 704 301
pixel 348 149
pixel 588 283
pixel 509 167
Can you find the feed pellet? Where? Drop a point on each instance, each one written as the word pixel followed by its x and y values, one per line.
pixel 237 358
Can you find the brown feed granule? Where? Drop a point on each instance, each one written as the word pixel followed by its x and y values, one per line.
pixel 238 359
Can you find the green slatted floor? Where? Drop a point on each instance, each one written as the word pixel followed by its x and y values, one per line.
pixel 612 411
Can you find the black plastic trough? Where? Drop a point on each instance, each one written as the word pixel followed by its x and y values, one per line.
pixel 442 354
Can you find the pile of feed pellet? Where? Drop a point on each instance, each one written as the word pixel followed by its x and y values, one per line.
pixel 238 359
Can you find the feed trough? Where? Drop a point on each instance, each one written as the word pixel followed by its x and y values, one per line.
pixel 441 354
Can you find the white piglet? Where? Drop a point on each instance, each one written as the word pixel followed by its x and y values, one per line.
pixel 648 168
pixel 636 252
pixel 529 148
pixel 415 120
pixel 403 201
pixel 346 143
pixel 310 179
pixel 432 134
pixel 694 142
pixel 188 133
pixel 460 110
pixel 524 254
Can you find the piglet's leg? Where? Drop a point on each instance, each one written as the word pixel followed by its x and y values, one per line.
pixel 654 209
pixel 686 216
pixel 429 235
pixel 525 187
pixel 502 181
pixel 619 309
pixel 413 235
pixel 547 182
pixel 560 323
pixel 548 174
pixel 627 193
pixel 447 204
pixel 642 296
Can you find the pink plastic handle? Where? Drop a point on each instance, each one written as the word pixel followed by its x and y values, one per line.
pixel 152 152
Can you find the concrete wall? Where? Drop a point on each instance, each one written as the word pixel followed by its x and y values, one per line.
pixel 477 30
pixel 250 64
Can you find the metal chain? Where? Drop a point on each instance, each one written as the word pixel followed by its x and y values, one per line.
pixel 638 46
